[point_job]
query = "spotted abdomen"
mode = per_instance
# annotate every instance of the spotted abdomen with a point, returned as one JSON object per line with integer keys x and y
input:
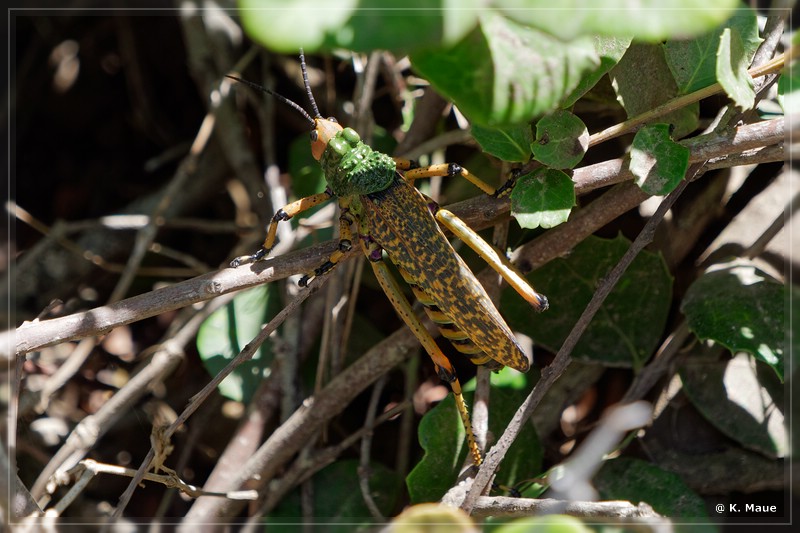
{"x": 399, "y": 220}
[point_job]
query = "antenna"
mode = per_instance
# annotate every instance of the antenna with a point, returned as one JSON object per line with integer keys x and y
{"x": 280, "y": 97}
{"x": 308, "y": 86}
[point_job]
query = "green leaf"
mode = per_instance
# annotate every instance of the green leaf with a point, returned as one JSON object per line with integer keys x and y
{"x": 637, "y": 481}
{"x": 740, "y": 400}
{"x": 732, "y": 73}
{"x": 225, "y": 333}
{"x": 789, "y": 90}
{"x": 628, "y": 326}
{"x": 505, "y": 378}
{"x": 508, "y": 378}
{"x": 647, "y": 20}
{"x": 544, "y": 524}
{"x": 561, "y": 140}
{"x": 338, "y": 501}
{"x": 307, "y": 179}
{"x": 657, "y": 162}
{"x": 610, "y": 50}
{"x": 441, "y": 435}
{"x": 306, "y": 172}
{"x": 542, "y": 199}
{"x": 509, "y": 143}
{"x": 506, "y": 73}
{"x": 642, "y": 81}
{"x": 282, "y": 30}
{"x": 359, "y": 25}
{"x": 694, "y": 62}
{"x": 741, "y": 308}
{"x": 422, "y": 517}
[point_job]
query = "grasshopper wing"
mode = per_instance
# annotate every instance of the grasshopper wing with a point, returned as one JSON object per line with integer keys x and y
{"x": 401, "y": 222}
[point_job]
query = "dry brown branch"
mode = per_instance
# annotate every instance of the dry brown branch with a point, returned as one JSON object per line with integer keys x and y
{"x": 563, "y": 358}
{"x": 519, "y": 507}
{"x": 479, "y": 212}
{"x": 282, "y": 444}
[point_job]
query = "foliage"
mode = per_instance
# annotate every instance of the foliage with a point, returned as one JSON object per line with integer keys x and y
{"x": 533, "y": 84}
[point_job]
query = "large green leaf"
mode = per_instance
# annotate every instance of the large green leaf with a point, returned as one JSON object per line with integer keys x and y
{"x": 628, "y": 326}
{"x": 693, "y": 62}
{"x": 338, "y": 501}
{"x": 365, "y": 25}
{"x": 642, "y": 80}
{"x": 741, "y": 308}
{"x": 226, "y": 332}
{"x": 647, "y": 20}
{"x": 741, "y": 397}
{"x": 637, "y": 481}
{"x": 732, "y": 63}
{"x": 360, "y": 25}
{"x": 554, "y": 523}
{"x": 504, "y": 73}
{"x": 610, "y": 50}
{"x": 441, "y": 435}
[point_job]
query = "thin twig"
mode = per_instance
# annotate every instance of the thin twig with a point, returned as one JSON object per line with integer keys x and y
{"x": 760, "y": 244}
{"x": 366, "y": 449}
{"x": 246, "y": 354}
{"x": 100, "y": 320}
{"x": 59, "y": 230}
{"x": 658, "y": 367}
{"x": 64, "y": 373}
{"x": 524, "y": 507}
{"x": 86, "y": 434}
{"x": 290, "y": 437}
{"x": 479, "y": 212}
{"x": 427, "y": 113}
{"x": 407, "y": 419}
{"x": 193, "y": 439}
{"x": 563, "y": 357}
{"x": 87, "y": 469}
{"x": 677, "y": 103}
{"x": 304, "y": 469}
{"x": 146, "y": 236}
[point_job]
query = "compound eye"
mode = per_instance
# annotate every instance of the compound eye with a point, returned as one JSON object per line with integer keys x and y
{"x": 314, "y": 135}
{"x": 332, "y": 119}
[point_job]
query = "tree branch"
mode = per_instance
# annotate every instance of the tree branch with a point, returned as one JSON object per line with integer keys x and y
{"x": 519, "y": 507}
{"x": 563, "y": 358}
{"x": 479, "y": 212}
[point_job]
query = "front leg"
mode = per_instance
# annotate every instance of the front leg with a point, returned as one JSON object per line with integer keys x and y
{"x": 346, "y": 220}
{"x": 283, "y": 214}
{"x": 412, "y": 171}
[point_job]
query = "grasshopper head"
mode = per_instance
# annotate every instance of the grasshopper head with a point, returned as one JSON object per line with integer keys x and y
{"x": 324, "y": 130}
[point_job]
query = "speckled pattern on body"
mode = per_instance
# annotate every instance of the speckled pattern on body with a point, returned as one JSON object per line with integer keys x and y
{"x": 400, "y": 221}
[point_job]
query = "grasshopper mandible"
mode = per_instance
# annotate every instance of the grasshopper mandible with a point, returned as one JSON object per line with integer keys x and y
{"x": 376, "y": 194}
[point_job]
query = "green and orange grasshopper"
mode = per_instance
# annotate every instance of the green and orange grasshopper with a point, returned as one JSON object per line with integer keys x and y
{"x": 377, "y": 195}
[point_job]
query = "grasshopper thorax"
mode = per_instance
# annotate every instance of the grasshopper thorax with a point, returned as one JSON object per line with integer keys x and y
{"x": 351, "y": 167}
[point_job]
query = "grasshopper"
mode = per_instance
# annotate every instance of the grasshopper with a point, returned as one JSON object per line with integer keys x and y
{"x": 376, "y": 194}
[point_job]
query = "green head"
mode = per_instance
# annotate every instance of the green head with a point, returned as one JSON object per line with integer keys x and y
{"x": 350, "y": 166}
